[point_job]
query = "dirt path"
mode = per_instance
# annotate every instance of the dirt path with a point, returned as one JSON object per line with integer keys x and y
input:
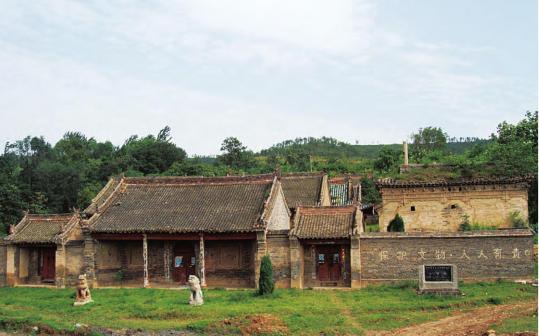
{"x": 345, "y": 311}
{"x": 471, "y": 323}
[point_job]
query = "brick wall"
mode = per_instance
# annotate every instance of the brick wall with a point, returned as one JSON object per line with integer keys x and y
{"x": 477, "y": 254}
{"x": 278, "y": 245}
{"x": 3, "y": 260}
{"x": 443, "y": 208}
{"x": 229, "y": 263}
{"x": 74, "y": 262}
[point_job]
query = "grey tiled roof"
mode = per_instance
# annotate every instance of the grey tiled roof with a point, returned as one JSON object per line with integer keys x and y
{"x": 302, "y": 189}
{"x": 40, "y": 228}
{"x": 391, "y": 183}
{"x": 324, "y": 222}
{"x": 178, "y": 205}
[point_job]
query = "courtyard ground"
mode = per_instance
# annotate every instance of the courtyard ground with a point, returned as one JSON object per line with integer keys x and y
{"x": 375, "y": 310}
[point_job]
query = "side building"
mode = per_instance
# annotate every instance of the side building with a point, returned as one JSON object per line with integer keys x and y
{"x": 44, "y": 249}
{"x": 443, "y": 205}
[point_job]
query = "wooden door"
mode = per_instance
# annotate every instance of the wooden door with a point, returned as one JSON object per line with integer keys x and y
{"x": 183, "y": 264}
{"x": 329, "y": 266}
{"x": 48, "y": 264}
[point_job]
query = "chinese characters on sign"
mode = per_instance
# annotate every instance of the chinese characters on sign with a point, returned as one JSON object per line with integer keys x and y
{"x": 464, "y": 254}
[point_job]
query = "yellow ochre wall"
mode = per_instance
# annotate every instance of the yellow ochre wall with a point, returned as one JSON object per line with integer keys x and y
{"x": 443, "y": 208}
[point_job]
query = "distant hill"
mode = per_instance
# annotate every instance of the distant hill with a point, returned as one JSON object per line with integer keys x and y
{"x": 333, "y": 148}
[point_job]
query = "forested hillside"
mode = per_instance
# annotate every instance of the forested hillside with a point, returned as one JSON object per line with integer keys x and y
{"x": 40, "y": 177}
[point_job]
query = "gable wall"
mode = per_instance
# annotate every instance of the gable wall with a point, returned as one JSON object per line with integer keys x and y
{"x": 279, "y": 218}
{"x": 325, "y": 195}
{"x": 487, "y": 205}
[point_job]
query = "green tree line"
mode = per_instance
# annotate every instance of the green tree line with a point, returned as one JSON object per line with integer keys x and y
{"x": 39, "y": 177}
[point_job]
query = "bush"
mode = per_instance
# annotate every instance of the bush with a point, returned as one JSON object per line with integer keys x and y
{"x": 265, "y": 283}
{"x": 396, "y": 224}
{"x": 465, "y": 225}
{"x": 494, "y": 300}
{"x": 517, "y": 221}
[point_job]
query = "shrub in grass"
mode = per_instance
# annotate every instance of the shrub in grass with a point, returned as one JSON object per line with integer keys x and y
{"x": 396, "y": 224}
{"x": 265, "y": 283}
{"x": 494, "y": 300}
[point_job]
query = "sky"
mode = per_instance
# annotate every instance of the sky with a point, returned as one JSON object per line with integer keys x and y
{"x": 264, "y": 71}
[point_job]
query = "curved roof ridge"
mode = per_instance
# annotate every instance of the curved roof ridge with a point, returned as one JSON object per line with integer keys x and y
{"x": 181, "y": 180}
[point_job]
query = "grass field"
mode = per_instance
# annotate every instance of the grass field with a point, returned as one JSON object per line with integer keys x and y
{"x": 305, "y": 312}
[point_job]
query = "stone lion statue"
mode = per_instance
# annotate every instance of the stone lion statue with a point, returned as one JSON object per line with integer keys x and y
{"x": 83, "y": 292}
{"x": 196, "y": 297}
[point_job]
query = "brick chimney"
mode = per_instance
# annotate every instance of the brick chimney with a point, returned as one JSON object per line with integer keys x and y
{"x": 405, "y": 148}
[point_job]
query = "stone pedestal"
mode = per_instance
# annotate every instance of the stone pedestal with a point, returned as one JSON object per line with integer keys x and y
{"x": 439, "y": 279}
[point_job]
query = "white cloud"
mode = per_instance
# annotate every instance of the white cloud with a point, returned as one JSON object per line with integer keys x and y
{"x": 59, "y": 73}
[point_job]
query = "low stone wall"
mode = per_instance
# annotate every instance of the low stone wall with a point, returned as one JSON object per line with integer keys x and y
{"x": 3, "y": 262}
{"x": 479, "y": 255}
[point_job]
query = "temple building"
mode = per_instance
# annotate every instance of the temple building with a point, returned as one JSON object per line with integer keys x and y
{"x": 157, "y": 231}
{"x": 160, "y": 230}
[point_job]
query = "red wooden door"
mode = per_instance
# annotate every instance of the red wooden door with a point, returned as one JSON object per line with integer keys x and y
{"x": 48, "y": 266}
{"x": 183, "y": 264}
{"x": 329, "y": 267}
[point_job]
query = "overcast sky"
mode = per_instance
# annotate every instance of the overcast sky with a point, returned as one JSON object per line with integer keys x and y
{"x": 264, "y": 71}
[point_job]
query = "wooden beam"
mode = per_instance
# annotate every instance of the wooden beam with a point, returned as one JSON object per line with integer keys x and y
{"x": 117, "y": 236}
{"x": 175, "y": 236}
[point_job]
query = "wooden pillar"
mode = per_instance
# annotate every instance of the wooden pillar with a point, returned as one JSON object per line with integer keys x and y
{"x": 166, "y": 259}
{"x": 201, "y": 261}
{"x": 145, "y": 260}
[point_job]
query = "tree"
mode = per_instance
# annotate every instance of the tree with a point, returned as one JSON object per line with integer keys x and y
{"x": 427, "y": 140}
{"x": 151, "y": 155}
{"x": 514, "y": 152}
{"x": 236, "y": 154}
{"x": 11, "y": 202}
{"x": 266, "y": 283}
{"x": 396, "y": 224}
{"x": 387, "y": 158}
{"x": 369, "y": 193}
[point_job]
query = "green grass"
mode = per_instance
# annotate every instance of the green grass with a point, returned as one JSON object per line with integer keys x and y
{"x": 302, "y": 311}
{"x": 523, "y": 323}
{"x": 372, "y": 228}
